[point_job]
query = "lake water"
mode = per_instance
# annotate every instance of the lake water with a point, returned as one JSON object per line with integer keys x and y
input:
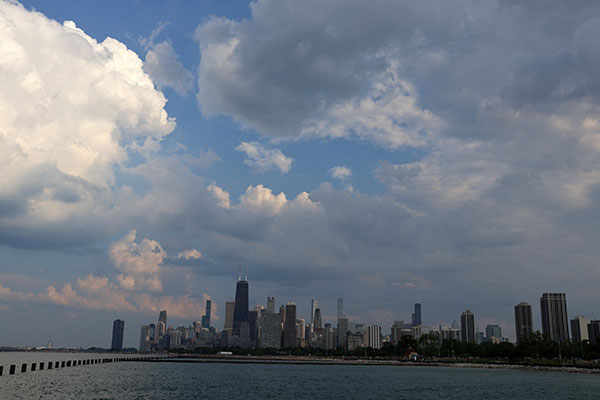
{"x": 147, "y": 380}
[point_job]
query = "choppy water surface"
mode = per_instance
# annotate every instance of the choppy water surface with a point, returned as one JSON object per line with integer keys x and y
{"x": 147, "y": 380}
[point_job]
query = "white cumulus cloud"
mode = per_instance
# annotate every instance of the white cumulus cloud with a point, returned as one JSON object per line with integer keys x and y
{"x": 340, "y": 172}
{"x": 262, "y": 159}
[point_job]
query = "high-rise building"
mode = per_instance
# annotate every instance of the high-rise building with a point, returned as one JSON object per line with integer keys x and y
{"x": 270, "y": 331}
{"x": 206, "y": 317}
{"x": 144, "y": 337}
{"x": 313, "y": 308}
{"x": 416, "y": 316}
{"x": 252, "y": 318}
{"x": 523, "y": 321}
{"x": 594, "y": 332}
{"x": 467, "y": 327}
{"x": 229, "y": 310}
{"x": 240, "y": 312}
{"x": 318, "y": 328}
{"x": 493, "y": 331}
{"x": 579, "y": 330}
{"x": 396, "y": 332}
{"x": 289, "y": 327}
{"x": 340, "y": 308}
{"x": 342, "y": 330}
{"x": 300, "y": 331}
{"x": 271, "y": 305}
{"x": 374, "y": 336}
{"x": 117, "y": 334}
{"x": 152, "y": 332}
{"x": 555, "y": 322}
{"x": 161, "y": 329}
{"x": 329, "y": 335}
{"x": 162, "y": 317}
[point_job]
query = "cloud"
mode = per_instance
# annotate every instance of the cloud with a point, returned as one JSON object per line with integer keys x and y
{"x": 73, "y": 111}
{"x": 192, "y": 254}
{"x": 290, "y": 71}
{"x": 220, "y": 195}
{"x": 166, "y": 71}
{"x": 340, "y": 172}
{"x": 140, "y": 264}
{"x": 262, "y": 160}
{"x": 259, "y": 199}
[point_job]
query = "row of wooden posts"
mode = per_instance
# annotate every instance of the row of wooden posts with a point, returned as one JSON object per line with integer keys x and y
{"x": 71, "y": 363}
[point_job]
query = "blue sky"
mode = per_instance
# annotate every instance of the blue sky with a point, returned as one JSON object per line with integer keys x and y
{"x": 384, "y": 152}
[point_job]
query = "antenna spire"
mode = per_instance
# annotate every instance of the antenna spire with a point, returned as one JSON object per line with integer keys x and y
{"x": 246, "y": 278}
{"x": 240, "y": 273}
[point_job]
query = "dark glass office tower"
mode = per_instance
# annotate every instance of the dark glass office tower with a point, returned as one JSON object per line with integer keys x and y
{"x": 555, "y": 322}
{"x": 289, "y": 327}
{"x": 240, "y": 312}
{"x": 416, "y": 316}
{"x": 206, "y": 317}
{"x": 117, "y": 335}
{"x": 523, "y": 321}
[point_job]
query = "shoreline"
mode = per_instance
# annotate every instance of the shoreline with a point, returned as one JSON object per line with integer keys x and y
{"x": 208, "y": 359}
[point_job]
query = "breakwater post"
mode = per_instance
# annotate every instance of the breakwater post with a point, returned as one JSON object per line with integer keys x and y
{"x": 12, "y": 369}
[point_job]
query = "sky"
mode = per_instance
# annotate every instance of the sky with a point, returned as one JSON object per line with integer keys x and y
{"x": 385, "y": 152}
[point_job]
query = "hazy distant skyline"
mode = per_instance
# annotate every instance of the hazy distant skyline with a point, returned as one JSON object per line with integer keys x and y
{"x": 380, "y": 151}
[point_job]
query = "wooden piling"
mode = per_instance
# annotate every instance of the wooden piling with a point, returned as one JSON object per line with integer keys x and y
{"x": 33, "y": 366}
{"x": 24, "y": 367}
{"x": 12, "y": 369}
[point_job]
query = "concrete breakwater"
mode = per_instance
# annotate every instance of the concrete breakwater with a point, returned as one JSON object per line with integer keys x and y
{"x": 13, "y": 369}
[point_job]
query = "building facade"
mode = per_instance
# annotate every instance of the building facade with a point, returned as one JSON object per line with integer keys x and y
{"x": 523, "y": 321}
{"x": 289, "y": 327}
{"x": 374, "y": 332}
{"x": 555, "y": 323}
{"x": 240, "y": 311}
{"x": 416, "y": 316}
{"x": 117, "y": 335}
{"x": 467, "y": 327}
{"x": 579, "y": 330}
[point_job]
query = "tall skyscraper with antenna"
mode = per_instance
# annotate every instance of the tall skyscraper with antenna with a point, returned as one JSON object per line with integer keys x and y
{"x": 240, "y": 312}
{"x": 313, "y": 308}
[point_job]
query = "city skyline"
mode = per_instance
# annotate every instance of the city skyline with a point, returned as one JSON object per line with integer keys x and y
{"x": 387, "y": 153}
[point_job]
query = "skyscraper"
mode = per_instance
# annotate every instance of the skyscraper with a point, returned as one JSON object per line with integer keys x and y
{"x": 152, "y": 332}
{"x": 374, "y": 340}
{"x": 271, "y": 305}
{"x": 318, "y": 328}
{"x": 240, "y": 312}
{"x": 467, "y": 327}
{"x": 493, "y": 331}
{"x": 117, "y": 334}
{"x": 144, "y": 337}
{"x": 416, "y": 316}
{"x": 289, "y": 327}
{"x": 206, "y": 317}
{"x": 342, "y": 330}
{"x": 579, "y": 330}
{"x": 340, "y": 308}
{"x": 162, "y": 317}
{"x": 523, "y": 320}
{"x": 594, "y": 332}
{"x": 229, "y": 309}
{"x": 313, "y": 307}
{"x": 555, "y": 322}
{"x": 270, "y": 332}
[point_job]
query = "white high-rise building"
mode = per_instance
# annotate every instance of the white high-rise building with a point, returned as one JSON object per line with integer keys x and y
{"x": 579, "y": 328}
{"x": 374, "y": 337}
